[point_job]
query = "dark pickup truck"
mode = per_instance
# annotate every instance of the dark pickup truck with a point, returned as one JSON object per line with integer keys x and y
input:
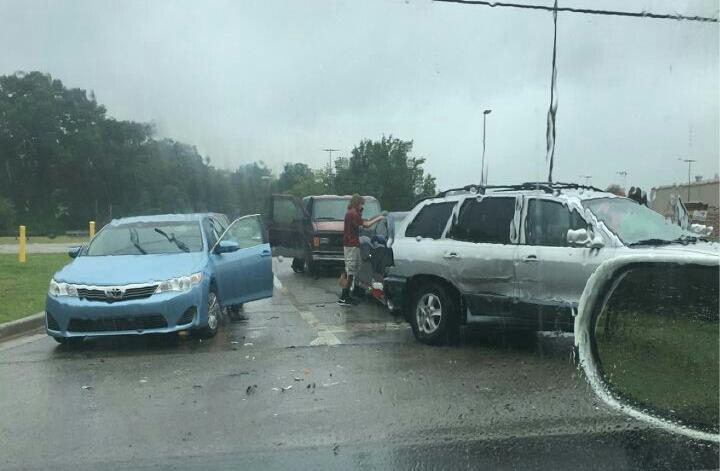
{"x": 310, "y": 230}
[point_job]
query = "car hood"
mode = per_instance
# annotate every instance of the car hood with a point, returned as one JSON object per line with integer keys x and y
{"x": 328, "y": 226}
{"x": 127, "y": 269}
{"x": 705, "y": 248}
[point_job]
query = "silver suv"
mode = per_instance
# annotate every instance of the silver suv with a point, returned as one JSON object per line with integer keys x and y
{"x": 516, "y": 255}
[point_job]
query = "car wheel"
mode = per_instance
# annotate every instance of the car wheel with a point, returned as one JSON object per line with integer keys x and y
{"x": 434, "y": 315}
{"x": 298, "y": 265}
{"x": 235, "y": 312}
{"x": 309, "y": 265}
{"x": 214, "y": 316}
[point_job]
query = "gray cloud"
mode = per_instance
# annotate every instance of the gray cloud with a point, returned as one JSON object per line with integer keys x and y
{"x": 280, "y": 80}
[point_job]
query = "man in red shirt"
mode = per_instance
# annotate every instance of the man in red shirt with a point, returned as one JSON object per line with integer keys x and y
{"x": 351, "y": 243}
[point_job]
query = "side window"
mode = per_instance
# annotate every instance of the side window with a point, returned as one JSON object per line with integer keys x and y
{"x": 245, "y": 232}
{"x": 430, "y": 222}
{"x": 211, "y": 232}
{"x": 285, "y": 211}
{"x": 548, "y": 222}
{"x": 486, "y": 220}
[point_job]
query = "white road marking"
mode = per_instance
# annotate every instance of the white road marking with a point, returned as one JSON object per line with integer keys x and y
{"x": 324, "y": 335}
{"x": 277, "y": 283}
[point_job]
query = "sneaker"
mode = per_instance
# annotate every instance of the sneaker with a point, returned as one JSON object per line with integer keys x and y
{"x": 344, "y": 302}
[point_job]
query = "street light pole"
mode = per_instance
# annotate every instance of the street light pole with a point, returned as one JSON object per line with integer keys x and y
{"x": 689, "y": 162}
{"x": 330, "y": 151}
{"x": 483, "y": 177}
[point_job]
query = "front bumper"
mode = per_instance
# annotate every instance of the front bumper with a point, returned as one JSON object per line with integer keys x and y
{"x": 67, "y": 316}
{"x": 394, "y": 290}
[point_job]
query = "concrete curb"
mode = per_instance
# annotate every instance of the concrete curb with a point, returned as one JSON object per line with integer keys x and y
{"x": 21, "y": 326}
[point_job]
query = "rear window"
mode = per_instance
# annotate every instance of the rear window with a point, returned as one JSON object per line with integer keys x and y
{"x": 335, "y": 209}
{"x": 430, "y": 222}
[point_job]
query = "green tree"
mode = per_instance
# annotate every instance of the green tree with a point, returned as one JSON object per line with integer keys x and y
{"x": 385, "y": 170}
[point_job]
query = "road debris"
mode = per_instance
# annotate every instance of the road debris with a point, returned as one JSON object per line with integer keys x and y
{"x": 287, "y": 388}
{"x": 298, "y": 379}
{"x": 144, "y": 380}
{"x": 234, "y": 342}
{"x": 251, "y": 389}
{"x": 87, "y": 388}
{"x": 248, "y": 344}
{"x": 197, "y": 386}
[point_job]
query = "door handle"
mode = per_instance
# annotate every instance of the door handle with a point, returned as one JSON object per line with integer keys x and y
{"x": 265, "y": 253}
{"x": 450, "y": 255}
{"x": 530, "y": 259}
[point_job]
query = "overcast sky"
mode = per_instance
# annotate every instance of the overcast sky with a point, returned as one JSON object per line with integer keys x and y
{"x": 280, "y": 80}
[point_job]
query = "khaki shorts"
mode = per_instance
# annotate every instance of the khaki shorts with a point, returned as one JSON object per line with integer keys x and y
{"x": 352, "y": 260}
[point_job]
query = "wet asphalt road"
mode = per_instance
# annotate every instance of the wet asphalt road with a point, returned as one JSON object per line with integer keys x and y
{"x": 363, "y": 394}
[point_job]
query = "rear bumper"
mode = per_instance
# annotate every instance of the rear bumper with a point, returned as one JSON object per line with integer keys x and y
{"x": 160, "y": 313}
{"x": 394, "y": 288}
{"x": 328, "y": 256}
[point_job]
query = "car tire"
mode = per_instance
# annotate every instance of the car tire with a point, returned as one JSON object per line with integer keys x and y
{"x": 69, "y": 341}
{"x": 298, "y": 265}
{"x": 235, "y": 312}
{"x": 309, "y": 265}
{"x": 214, "y": 316}
{"x": 434, "y": 315}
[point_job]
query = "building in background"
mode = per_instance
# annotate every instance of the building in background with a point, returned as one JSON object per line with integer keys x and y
{"x": 701, "y": 198}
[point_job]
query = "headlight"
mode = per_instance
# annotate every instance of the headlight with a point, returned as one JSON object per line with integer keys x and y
{"x": 181, "y": 283}
{"x": 61, "y": 289}
{"x": 318, "y": 241}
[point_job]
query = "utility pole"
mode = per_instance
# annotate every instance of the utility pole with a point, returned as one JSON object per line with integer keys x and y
{"x": 689, "y": 162}
{"x": 483, "y": 176}
{"x": 330, "y": 151}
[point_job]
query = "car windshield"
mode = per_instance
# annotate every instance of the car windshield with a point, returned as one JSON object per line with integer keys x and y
{"x": 335, "y": 209}
{"x": 147, "y": 238}
{"x": 635, "y": 223}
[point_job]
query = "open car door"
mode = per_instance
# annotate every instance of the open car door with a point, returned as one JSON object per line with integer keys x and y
{"x": 288, "y": 226}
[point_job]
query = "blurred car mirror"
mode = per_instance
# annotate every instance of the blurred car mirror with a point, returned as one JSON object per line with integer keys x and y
{"x": 226, "y": 246}
{"x": 647, "y": 338}
{"x": 73, "y": 252}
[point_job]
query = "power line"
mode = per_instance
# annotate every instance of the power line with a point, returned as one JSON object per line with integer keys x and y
{"x": 550, "y": 133}
{"x": 587, "y": 11}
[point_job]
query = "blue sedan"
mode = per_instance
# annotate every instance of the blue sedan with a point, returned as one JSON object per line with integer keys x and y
{"x": 159, "y": 274}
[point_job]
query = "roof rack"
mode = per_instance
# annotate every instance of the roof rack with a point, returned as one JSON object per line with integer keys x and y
{"x": 547, "y": 187}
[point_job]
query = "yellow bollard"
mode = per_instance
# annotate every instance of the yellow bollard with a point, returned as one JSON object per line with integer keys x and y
{"x": 21, "y": 248}
{"x": 92, "y": 229}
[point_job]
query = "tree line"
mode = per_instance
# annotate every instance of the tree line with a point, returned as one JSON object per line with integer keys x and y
{"x": 64, "y": 161}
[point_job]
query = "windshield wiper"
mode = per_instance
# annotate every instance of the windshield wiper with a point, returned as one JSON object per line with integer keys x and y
{"x": 136, "y": 241}
{"x": 171, "y": 238}
{"x": 685, "y": 240}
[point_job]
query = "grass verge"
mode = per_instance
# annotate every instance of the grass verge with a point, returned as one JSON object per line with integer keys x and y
{"x": 23, "y": 285}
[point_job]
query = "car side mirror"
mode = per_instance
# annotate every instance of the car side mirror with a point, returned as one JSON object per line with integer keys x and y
{"x": 584, "y": 238}
{"x": 226, "y": 246}
{"x": 647, "y": 338}
{"x": 74, "y": 252}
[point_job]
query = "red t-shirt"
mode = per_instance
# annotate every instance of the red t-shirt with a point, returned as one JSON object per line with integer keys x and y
{"x": 351, "y": 232}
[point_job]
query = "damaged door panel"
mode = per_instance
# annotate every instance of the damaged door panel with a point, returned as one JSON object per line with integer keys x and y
{"x": 481, "y": 254}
